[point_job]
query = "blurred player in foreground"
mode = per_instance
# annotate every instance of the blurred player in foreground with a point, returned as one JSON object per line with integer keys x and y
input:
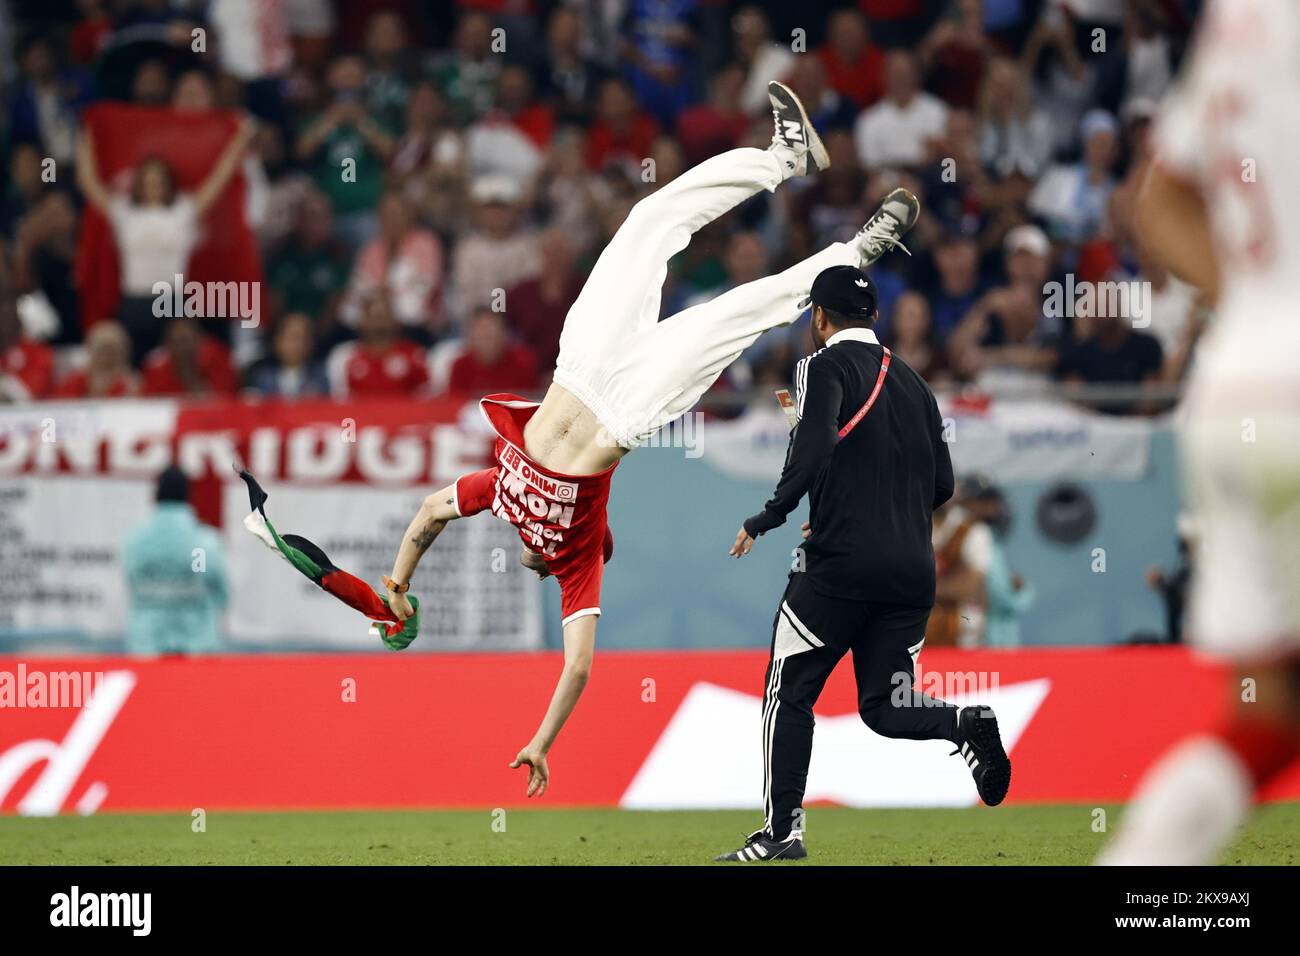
{"x": 1222, "y": 208}
{"x": 622, "y": 374}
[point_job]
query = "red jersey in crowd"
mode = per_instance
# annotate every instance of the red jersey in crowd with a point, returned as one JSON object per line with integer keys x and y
{"x": 77, "y": 385}
{"x": 605, "y": 144}
{"x": 516, "y": 368}
{"x": 29, "y": 368}
{"x": 561, "y": 517}
{"x": 215, "y": 371}
{"x": 400, "y": 369}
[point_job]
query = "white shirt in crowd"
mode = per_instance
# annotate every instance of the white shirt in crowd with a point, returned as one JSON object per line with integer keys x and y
{"x": 891, "y": 135}
{"x": 153, "y": 242}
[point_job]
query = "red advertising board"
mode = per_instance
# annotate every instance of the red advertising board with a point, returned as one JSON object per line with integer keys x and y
{"x": 652, "y": 730}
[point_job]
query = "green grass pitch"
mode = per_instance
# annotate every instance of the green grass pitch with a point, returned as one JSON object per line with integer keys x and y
{"x": 1005, "y": 835}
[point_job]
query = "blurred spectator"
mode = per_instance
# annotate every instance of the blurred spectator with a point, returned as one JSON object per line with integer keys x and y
{"x": 194, "y": 92}
{"x": 499, "y": 252}
{"x": 428, "y": 163}
{"x": 1007, "y": 597}
{"x": 26, "y": 365}
{"x": 44, "y": 103}
{"x": 310, "y": 269}
{"x": 406, "y": 262}
{"x": 855, "y": 67}
{"x": 381, "y": 363}
{"x": 827, "y": 109}
{"x": 176, "y": 577}
{"x": 571, "y": 197}
{"x": 188, "y": 363}
{"x": 897, "y": 131}
{"x": 910, "y": 334}
{"x": 510, "y": 138}
{"x": 91, "y": 32}
{"x": 1072, "y": 197}
{"x": 152, "y": 83}
{"x": 155, "y": 228}
{"x": 1066, "y": 80}
{"x": 1014, "y": 136}
{"x": 760, "y": 57}
{"x": 567, "y": 77}
{"x": 348, "y": 150}
{"x": 107, "y": 372}
{"x": 468, "y": 71}
{"x": 956, "y": 52}
{"x": 719, "y": 123}
{"x": 963, "y": 554}
{"x": 1108, "y": 349}
{"x": 622, "y": 131}
{"x": 276, "y": 187}
{"x": 386, "y": 68}
{"x": 491, "y": 362}
{"x": 43, "y": 255}
{"x": 290, "y": 371}
{"x": 24, "y": 188}
{"x": 956, "y": 260}
{"x": 659, "y": 47}
{"x": 1172, "y": 586}
{"x": 1005, "y": 342}
{"x": 253, "y": 48}
{"x": 898, "y": 22}
{"x": 537, "y": 307}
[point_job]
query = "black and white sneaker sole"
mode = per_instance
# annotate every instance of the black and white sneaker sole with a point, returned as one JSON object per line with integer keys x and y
{"x": 790, "y": 105}
{"x": 985, "y": 741}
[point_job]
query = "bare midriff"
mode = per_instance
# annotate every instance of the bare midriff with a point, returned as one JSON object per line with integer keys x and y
{"x": 565, "y": 436}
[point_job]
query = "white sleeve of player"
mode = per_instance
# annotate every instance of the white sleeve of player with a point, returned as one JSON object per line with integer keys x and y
{"x": 1179, "y": 134}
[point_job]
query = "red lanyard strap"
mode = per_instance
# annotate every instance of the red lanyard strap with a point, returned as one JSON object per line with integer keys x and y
{"x": 871, "y": 399}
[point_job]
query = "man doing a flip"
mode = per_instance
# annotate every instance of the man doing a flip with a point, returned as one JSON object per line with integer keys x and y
{"x": 621, "y": 374}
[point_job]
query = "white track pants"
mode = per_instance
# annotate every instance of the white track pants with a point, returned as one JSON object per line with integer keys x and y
{"x": 637, "y": 373}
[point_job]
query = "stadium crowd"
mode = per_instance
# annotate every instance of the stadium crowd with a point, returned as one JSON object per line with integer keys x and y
{"x": 427, "y": 182}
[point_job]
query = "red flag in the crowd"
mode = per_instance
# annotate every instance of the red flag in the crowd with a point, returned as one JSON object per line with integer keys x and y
{"x": 190, "y": 143}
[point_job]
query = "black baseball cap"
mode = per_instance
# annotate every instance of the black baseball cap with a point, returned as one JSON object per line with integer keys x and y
{"x": 846, "y": 290}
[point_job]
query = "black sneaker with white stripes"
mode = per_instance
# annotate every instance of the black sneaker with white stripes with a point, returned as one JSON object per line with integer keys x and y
{"x": 761, "y": 848}
{"x": 981, "y": 746}
{"x": 794, "y": 140}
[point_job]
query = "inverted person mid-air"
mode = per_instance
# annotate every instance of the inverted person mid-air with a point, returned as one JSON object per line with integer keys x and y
{"x": 622, "y": 374}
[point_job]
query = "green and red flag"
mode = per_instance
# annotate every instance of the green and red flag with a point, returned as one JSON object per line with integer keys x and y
{"x": 313, "y": 562}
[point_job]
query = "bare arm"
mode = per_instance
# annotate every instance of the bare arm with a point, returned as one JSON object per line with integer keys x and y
{"x": 579, "y": 646}
{"x": 92, "y": 187}
{"x": 1172, "y": 224}
{"x": 434, "y": 513}
{"x": 222, "y": 172}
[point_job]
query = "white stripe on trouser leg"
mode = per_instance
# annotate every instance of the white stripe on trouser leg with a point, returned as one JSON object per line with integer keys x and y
{"x": 769, "y": 729}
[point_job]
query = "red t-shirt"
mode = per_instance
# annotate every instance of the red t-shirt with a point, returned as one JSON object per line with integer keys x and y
{"x": 160, "y": 378}
{"x": 863, "y": 82}
{"x": 561, "y": 517}
{"x": 516, "y": 368}
{"x": 398, "y": 370}
{"x": 31, "y": 364}
{"x": 77, "y": 385}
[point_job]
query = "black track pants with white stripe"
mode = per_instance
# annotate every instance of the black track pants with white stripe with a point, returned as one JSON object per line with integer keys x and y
{"x": 810, "y": 635}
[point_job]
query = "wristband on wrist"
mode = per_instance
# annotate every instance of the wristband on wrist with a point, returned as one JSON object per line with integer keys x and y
{"x": 394, "y": 586}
